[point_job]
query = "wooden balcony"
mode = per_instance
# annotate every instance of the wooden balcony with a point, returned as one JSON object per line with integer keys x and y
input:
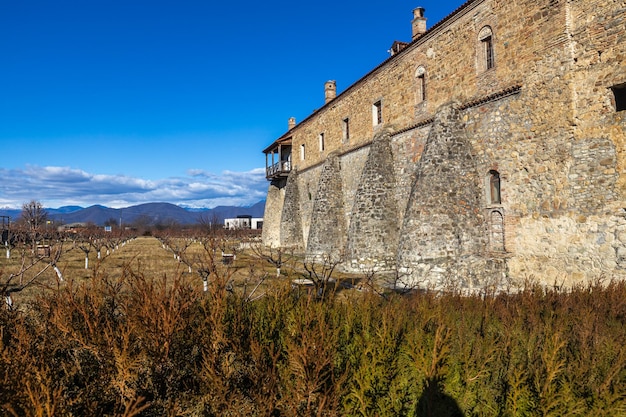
{"x": 278, "y": 159}
{"x": 279, "y": 169}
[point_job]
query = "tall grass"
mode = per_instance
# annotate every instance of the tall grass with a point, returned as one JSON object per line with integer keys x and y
{"x": 142, "y": 342}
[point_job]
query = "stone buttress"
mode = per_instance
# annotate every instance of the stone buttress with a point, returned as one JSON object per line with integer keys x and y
{"x": 272, "y": 215}
{"x": 291, "y": 225}
{"x": 327, "y": 234}
{"x": 443, "y": 237}
{"x": 373, "y": 230}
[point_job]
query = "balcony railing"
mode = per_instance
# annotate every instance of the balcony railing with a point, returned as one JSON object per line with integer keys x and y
{"x": 278, "y": 169}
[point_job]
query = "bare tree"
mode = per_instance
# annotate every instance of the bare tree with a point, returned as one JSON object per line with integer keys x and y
{"x": 320, "y": 270}
{"x": 210, "y": 223}
{"x": 98, "y": 240}
{"x": 34, "y": 216}
{"x": 9, "y": 242}
{"x": 274, "y": 256}
{"x": 85, "y": 245}
{"x": 28, "y": 272}
{"x": 384, "y": 279}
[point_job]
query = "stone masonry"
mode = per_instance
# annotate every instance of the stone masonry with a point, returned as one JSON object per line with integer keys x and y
{"x": 374, "y": 227}
{"x": 290, "y": 222}
{"x": 443, "y": 236}
{"x": 489, "y": 151}
{"x": 327, "y": 235}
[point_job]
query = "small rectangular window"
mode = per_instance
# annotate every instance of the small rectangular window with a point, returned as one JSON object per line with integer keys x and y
{"x": 377, "y": 113}
{"x": 321, "y": 137}
{"x": 345, "y": 127}
{"x": 619, "y": 93}
{"x": 302, "y": 152}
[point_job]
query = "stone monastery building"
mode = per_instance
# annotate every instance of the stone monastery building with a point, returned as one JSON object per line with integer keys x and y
{"x": 489, "y": 150}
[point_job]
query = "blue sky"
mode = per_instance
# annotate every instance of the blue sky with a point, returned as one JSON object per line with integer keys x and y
{"x": 123, "y": 102}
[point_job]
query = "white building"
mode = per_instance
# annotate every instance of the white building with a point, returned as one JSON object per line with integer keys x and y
{"x": 244, "y": 222}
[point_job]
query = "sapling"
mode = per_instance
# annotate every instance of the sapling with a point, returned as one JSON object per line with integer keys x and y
{"x": 58, "y": 272}
{"x": 275, "y": 256}
{"x": 86, "y": 248}
{"x": 204, "y": 274}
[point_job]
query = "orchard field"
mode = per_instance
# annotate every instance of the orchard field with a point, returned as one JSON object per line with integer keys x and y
{"x": 208, "y": 323}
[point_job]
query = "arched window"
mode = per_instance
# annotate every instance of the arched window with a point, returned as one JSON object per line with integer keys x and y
{"x": 486, "y": 59}
{"x": 493, "y": 187}
{"x": 420, "y": 75}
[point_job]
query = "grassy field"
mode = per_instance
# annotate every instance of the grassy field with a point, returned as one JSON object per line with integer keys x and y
{"x": 145, "y": 255}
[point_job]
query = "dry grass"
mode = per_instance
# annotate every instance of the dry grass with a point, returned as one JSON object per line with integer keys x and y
{"x": 147, "y": 255}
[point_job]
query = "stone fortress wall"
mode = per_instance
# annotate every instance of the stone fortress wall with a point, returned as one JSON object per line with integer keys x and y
{"x": 490, "y": 150}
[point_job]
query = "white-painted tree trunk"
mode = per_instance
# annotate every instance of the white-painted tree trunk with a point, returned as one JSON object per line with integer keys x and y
{"x": 99, "y": 255}
{"x": 8, "y": 253}
{"x": 86, "y": 262}
{"x": 205, "y": 285}
{"x": 59, "y": 274}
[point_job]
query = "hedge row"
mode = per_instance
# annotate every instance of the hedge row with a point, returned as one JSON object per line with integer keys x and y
{"x": 156, "y": 347}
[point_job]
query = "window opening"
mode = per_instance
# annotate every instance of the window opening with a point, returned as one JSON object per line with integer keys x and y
{"x": 421, "y": 84}
{"x": 422, "y": 81}
{"x": 346, "y": 129}
{"x": 321, "y": 142}
{"x": 486, "y": 39}
{"x": 494, "y": 187}
{"x": 488, "y": 45}
{"x": 619, "y": 93}
{"x": 302, "y": 152}
{"x": 377, "y": 113}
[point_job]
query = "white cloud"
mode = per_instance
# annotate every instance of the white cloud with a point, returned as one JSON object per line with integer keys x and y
{"x": 58, "y": 186}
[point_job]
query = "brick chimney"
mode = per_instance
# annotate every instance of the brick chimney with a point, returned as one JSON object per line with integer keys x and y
{"x": 330, "y": 90}
{"x": 419, "y": 22}
{"x": 292, "y": 123}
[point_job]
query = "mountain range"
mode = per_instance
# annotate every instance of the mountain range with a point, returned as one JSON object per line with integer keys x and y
{"x": 148, "y": 214}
